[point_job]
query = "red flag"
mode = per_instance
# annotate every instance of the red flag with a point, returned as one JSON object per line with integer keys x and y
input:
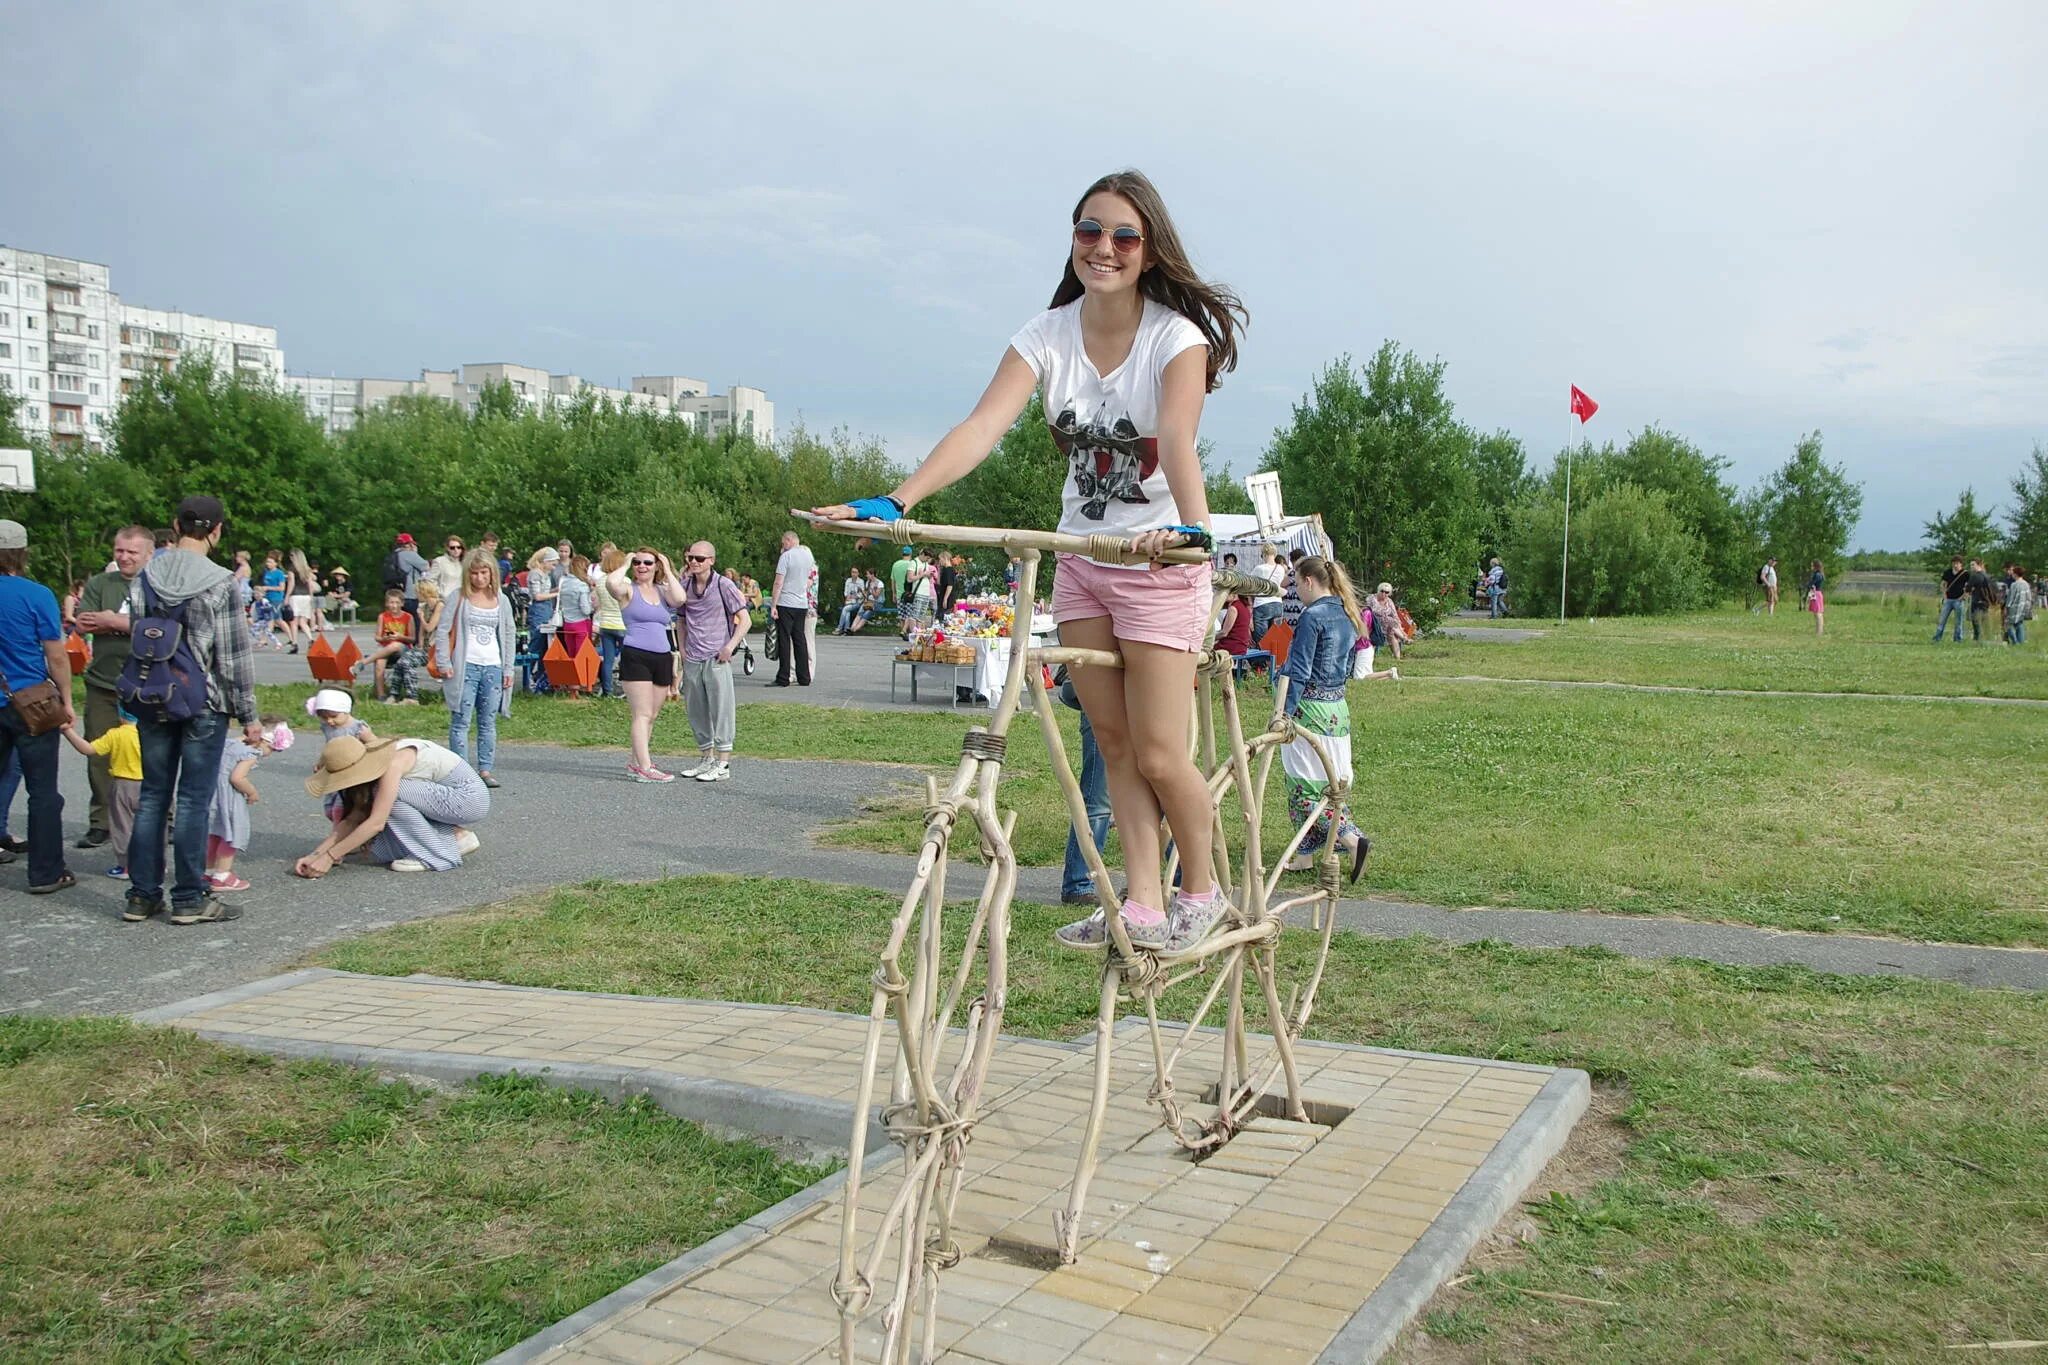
{"x": 1583, "y": 407}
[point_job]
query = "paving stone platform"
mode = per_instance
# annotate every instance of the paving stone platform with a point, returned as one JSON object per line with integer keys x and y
{"x": 1296, "y": 1242}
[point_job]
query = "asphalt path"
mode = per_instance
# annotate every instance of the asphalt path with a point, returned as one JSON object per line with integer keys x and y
{"x": 570, "y": 815}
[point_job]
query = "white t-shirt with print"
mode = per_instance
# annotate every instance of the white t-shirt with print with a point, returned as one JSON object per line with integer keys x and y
{"x": 1107, "y": 425}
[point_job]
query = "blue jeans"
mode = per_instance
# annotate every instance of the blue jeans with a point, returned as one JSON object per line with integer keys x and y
{"x": 10, "y": 783}
{"x": 33, "y": 759}
{"x": 1493, "y": 607}
{"x": 181, "y": 756}
{"x": 482, "y": 686}
{"x": 609, "y": 643}
{"x": 537, "y": 641}
{"x": 1952, "y": 606}
{"x": 1077, "y": 879}
{"x": 846, "y": 614}
{"x": 2015, "y": 632}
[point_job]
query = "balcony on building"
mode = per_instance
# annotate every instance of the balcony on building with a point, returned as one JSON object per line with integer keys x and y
{"x": 67, "y": 421}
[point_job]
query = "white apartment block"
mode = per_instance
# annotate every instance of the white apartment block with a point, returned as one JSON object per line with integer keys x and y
{"x": 338, "y": 403}
{"x": 58, "y": 320}
{"x": 154, "y": 339}
{"x": 70, "y": 348}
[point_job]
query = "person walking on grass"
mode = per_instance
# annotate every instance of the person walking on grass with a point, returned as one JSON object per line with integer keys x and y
{"x": 1768, "y": 577}
{"x": 475, "y": 644}
{"x": 102, "y": 609}
{"x": 181, "y": 757}
{"x": 1817, "y": 598}
{"x": 32, "y": 655}
{"x": 713, "y": 622}
{"x": 2019, "y": 604}
{"x": 648, "y": 596}
{"x": 1980, "y": 599}
{"x": 1955, "y": 592}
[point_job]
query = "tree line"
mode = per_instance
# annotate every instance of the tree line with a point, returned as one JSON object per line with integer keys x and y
{"x": 1406, "y": 491}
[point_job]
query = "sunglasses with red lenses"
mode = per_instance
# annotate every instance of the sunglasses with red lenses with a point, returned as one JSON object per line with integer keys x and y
{"x": 1088, "y": 232}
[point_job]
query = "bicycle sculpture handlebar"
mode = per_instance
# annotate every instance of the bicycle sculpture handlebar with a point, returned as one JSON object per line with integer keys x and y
{"x": 934, "y": 1103}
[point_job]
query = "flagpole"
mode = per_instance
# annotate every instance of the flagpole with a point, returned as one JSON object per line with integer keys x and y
{"x": 1565, "y": 567}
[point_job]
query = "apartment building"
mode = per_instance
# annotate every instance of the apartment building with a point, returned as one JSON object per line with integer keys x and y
{"x": 69, "y": 348}
{"x": 153, "y": 339}
{"x": 58, "y": 320}
{"x": 338, "y": 403}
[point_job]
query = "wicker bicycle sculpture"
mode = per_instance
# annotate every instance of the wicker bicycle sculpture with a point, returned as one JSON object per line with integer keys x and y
{"x": 939, "y": 1070}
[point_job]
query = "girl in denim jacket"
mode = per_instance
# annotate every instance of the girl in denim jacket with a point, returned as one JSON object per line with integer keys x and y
{"x": 1318, "y": 667}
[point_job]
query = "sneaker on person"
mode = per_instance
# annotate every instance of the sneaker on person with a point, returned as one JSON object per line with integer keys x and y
{"x": 699, "y": 766}
{"x": 117, "y": 871}
{"x": 641, "y": 774}
{"x": 137, "y": 909}
{"x": 1087, "y": 935}
{"x": 717, "y": 772}
{"x": 398, "y": 865}
{"x": 212, "y": 910}
{"x": 1394, "y": 673}
{"x": 227, "y": 881}
{"x": 466, "y": 842}
{"x": 1184, "y": 928}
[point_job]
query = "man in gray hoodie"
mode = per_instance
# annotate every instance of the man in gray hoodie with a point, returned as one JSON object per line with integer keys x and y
{"x": 184, "y": 756}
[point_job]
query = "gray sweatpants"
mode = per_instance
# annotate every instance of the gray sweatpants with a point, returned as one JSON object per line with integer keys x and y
{"x": 424, "y": 817}
{"x": 707, "y": 695}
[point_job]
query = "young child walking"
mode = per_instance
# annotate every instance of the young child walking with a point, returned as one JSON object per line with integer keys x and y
{"x": 1133, "y": 343}
{"x": 121, "y": 746}
{"x": 228, "y": 821}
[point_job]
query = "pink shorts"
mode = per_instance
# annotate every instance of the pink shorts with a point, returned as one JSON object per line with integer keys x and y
{"x": 1166, "y": 606}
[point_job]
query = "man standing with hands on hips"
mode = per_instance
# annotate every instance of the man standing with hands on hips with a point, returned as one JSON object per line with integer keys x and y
{"x": 795, "y": 574}
{"x": 103, "y": 614}
{"x": 714, "y": 622}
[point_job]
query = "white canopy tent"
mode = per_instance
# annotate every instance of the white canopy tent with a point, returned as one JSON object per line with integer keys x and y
{"x": 1239, "y": 534}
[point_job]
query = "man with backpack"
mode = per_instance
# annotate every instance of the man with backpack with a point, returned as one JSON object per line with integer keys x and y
{"x": 402, "y": 570}
{"x": 188, "y": 671}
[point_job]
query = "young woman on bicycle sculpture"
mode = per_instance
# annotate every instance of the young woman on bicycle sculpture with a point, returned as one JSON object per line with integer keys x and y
{"x": 1133, "y": 343}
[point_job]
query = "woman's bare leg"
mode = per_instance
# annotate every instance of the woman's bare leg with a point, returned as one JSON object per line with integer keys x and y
{"x": 645, "y": 699}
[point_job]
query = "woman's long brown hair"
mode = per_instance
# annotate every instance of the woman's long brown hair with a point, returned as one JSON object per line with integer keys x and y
{"x": 1172, "y": 279}
{"x": 1332, "y": 575}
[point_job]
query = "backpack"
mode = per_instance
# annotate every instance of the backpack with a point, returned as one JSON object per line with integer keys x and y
{"x": 162, "y": 680}
{"x": 1378, "y": 633}
{"x": 394, "y": 572}
{"x": 1760, "y": 578}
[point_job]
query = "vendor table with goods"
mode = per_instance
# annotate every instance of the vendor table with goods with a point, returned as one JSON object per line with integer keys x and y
{"x": 973, "y": 641}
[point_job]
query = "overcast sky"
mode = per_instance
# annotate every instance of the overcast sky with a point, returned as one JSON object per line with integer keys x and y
{"x": 1741, "y": 222}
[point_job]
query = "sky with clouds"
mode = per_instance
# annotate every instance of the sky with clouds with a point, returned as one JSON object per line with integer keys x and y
{"x": 1739, "y": 221}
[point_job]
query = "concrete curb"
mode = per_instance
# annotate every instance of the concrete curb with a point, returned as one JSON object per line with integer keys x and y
{"x": 728, "y": 1243}
{"x": 1491, "y": 1191}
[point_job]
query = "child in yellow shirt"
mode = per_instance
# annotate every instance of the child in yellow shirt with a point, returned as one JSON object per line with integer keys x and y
{"x": 122, "y": 748}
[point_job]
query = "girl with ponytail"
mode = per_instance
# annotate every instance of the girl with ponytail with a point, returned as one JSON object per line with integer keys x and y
{"x": 1319, "y": 663}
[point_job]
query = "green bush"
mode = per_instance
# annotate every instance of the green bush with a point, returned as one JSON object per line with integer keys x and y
{"x": 1630, "y": 556}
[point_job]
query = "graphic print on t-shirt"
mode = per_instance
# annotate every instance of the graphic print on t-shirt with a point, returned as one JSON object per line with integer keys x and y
{"x": 1110, "y": 460}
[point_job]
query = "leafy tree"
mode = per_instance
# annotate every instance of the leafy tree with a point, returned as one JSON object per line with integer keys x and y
{"x": 1502, "y": 469}
{"x": 1705, "y": 503}
{"x": 1378, "y": 452}
{"x": 82, "y": 497}
{"x": 10, "y": 408}
{"x": 2028, "y": 517}
{"x": 1966, "y": 531}
{"x": 1226, "y": 493}
{"x": 1019, "y": 484}
{"x": 1806, "y": 509}
{"x": 203, "y": 429}
{"x": 1632, "y": 554}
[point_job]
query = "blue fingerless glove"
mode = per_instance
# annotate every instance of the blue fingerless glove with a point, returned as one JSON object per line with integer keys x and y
{"x": 877, "y": 509}
{"x": 1196, "y": 534}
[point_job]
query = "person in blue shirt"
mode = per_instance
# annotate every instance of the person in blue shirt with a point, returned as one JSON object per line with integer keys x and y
{"x": 32, "y": 652}
{"x": 1318, "y": 668}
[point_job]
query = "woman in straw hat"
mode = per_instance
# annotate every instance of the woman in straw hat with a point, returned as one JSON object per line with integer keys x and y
{"x": 408, "y": 802}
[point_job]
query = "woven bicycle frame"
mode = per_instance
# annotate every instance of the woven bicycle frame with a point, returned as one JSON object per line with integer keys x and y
{"x": 933, "y": 1105}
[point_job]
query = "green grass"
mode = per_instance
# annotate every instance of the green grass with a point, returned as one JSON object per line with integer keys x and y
{"x": 166, "y": 1199}
{"x": 1783, "y": 1165}
{"x": 1870, "y": 646}
{"x": 1794, "y": 813}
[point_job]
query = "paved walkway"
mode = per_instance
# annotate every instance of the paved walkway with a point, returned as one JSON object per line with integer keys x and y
{"x": 1295, "y": 1242}
{"x": 569, "y": 815}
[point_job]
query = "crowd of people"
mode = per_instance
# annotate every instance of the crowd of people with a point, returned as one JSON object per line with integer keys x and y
{"x": 1970, "y": 590}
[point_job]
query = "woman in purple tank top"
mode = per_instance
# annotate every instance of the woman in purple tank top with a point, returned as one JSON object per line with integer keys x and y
{"x": 649, "y": 595}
